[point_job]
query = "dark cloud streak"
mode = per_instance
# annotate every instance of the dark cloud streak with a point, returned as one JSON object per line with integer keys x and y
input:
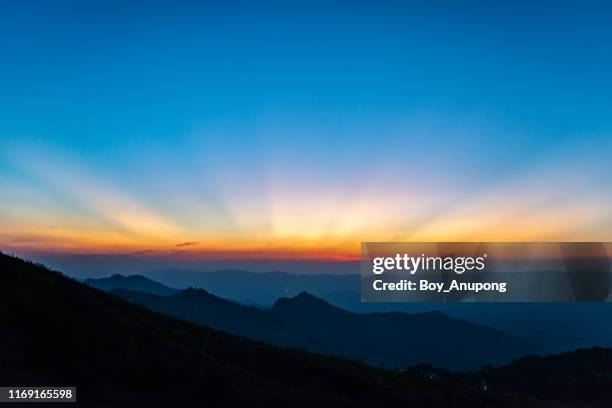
{"x": 186, "y": 243}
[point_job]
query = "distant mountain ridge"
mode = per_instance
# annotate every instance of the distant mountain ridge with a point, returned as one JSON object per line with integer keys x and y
{"x": 556, "y": 327}
{"x": 262, "y": 288}
{"x": 199, "y": 306}
{"x": 131, "y": 282}
{"x": 305, "y": 321}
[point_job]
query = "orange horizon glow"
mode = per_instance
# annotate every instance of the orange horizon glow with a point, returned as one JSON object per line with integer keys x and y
{"x": 68, "y": 207}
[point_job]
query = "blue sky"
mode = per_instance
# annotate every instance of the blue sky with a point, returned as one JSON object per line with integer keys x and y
{"x": 307, "y": 127}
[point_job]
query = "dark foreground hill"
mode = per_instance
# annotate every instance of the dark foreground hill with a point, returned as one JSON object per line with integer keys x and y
{"x": 388, "y": 339}
{"x": 581, "y": 377}
{"x": 57, "y": 331}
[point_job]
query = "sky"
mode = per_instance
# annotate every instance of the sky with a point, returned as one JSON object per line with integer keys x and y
{"x": 276, "y": 131}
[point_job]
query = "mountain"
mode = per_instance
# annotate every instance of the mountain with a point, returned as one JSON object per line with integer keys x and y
{"x": 132, "y": 282}
{"x": 57, "y": 331}
{"x": 556, "y": 327}
{"x": 306, "y": 321}
{"x": 580, "y": 378}
{"x": 199, "y": 306}
{"x": 256, "y": 288}
{"x": 408, "y": 339}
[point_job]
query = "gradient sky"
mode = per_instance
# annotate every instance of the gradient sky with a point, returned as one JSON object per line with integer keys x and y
{"x": 268, "y": 131}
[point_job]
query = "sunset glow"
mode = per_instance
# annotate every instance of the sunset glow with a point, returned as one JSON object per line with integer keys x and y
{"x": 300, "y": 146}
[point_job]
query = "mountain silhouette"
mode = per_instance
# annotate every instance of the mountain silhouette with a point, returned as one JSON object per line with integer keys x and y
{"x": 555, "y": 327}
{"x": 581, "y": 378}
{"x": 308, "y": 322}
{"x": 254, "y": 288}
{"x": 132, "y": 282}
{"x": 58, "y": 331}
{"x": 199, "y": 306}
{"x": 408, "y": 339}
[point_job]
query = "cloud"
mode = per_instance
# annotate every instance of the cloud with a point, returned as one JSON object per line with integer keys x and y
{"x": 144, "y": 252}
{"x": 186, "y": 243}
